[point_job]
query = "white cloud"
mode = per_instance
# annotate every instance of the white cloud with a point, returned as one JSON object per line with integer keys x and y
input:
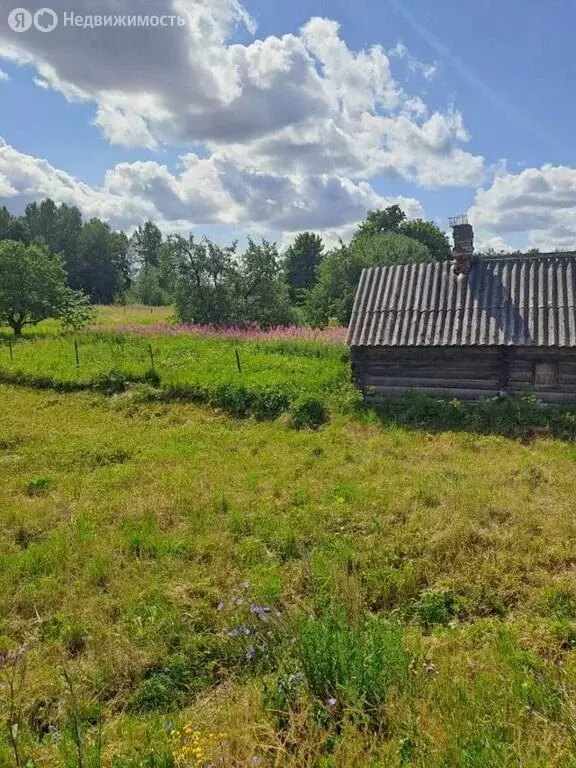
{"x": 538, "y": 205}
{"x": 4, "y": 75}
{"x": 300, "y": 104}
{"x": 204, "y": 191}
{"x": 428, "y": 71}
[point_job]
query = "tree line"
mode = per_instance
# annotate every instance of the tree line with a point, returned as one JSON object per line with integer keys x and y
{"x": 208, "y": 283}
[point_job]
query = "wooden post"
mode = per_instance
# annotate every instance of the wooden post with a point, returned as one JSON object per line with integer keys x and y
{"x": 10, "y": 347}
{"x": 238, "y": 362}
{"x": 76, "y": 351}
{"x": 150, "y": 351}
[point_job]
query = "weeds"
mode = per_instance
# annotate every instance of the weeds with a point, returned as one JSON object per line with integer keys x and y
{"x": 354, "y": 666}
{"x": 13, "y": 671}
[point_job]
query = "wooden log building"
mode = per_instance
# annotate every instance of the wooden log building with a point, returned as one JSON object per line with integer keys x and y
{"x": 474, "y": 327}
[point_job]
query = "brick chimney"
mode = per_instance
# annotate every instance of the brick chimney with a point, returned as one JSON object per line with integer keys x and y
{"x": 463, "y": 249}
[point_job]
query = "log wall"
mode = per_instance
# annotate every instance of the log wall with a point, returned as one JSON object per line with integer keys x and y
{"x": 463, "y": 372}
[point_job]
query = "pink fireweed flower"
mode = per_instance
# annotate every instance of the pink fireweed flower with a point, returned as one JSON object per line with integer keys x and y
{"x": 240, "y": 333}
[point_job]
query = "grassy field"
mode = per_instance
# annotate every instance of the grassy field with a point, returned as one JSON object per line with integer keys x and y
{"x": 107, "y": 318}
{"x": 243, "y": 376}
{"x": 232, "y": 593}
{"x": 196, "y": 590}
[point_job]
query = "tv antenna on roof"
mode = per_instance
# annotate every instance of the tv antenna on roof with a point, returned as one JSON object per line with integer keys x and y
{"x": 458, "y": 221}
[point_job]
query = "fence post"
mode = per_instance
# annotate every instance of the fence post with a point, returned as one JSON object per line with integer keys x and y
{"x": 151, "y": 357}
{"x": 76, "y": 351}
{"x": 238, "y": 362}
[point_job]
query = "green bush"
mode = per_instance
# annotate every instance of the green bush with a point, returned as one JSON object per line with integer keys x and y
{"x": 307, "y": 412}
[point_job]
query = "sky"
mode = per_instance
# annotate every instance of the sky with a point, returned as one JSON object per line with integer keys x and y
{"x": 266, "y": 118}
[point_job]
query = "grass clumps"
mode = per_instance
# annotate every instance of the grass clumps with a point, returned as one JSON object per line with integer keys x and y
{"x": 307, "y": 412}
{"x": 353, "y": 666}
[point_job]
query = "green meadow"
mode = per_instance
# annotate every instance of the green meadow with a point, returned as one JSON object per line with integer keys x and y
{"x": 199, "y": 590}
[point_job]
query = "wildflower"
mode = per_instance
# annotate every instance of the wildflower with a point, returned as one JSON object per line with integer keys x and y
{"x": 238, "y": 601}
{"x": 298, "y": 677}
{"x": 233, "y": 633}
{"x": 245, "y": 631}
{"x": 260, "y": 611}
{"x": 331, "y": 702}
{"x": 250, "y": 653}
{"x": 220, "y": 606}
{"x": 13, "y": 657}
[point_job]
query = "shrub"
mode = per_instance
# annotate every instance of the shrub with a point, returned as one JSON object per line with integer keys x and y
{"x": 307, "y": 412}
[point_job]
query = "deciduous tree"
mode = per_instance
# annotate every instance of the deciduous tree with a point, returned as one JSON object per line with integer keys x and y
{"x": 32, "y": 285}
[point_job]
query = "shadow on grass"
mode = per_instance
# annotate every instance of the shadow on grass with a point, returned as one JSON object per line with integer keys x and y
{"x": 523, "y": 417}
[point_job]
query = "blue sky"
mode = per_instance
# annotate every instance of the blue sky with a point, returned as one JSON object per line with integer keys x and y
{"x": 272, "y": 117}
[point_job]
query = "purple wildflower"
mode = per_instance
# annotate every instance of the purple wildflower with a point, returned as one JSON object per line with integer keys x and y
{"x": 238, "y": 601}
{"x": 331, "y": 701}
{"x": 260, "y": 611}
{"x": 233, "y": 633}
{"x": 245, "y": 631}
{"x": 250, "y": 653}
{"x": 220, "y": 606}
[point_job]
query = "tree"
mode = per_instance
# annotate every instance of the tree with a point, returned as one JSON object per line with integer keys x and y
{"x": 147, "y": 241}
{"x": 77, "y": 312}
{"x": 430, "y": 235}
{"x": 101, "y": 268}
{"x": 393, "y": 219}
{"x": 208, "y": 284}
{"x": 380, "y": 221}
{"x": 301, "y": 264}
{"x": 32, "y": 285}
{"x": 12, "y": 227}
{"x": 265, "y": 298}
{"x": 333, "y": 294}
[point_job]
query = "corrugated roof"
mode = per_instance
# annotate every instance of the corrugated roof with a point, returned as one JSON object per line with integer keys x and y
{"x": 515, "y": 301}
